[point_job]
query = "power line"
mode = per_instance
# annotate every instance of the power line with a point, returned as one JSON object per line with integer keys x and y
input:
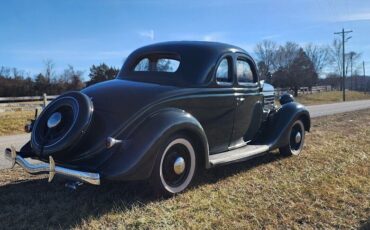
{"x": 344, "y": 39}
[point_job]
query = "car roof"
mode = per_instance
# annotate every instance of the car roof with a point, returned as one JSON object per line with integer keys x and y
{"x": 179, "y": 45}
{"x": 198, "y": 59}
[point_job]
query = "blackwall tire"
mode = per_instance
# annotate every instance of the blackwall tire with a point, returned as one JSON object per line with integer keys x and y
{"x": 168, "y": 180}
{"x": 75, "y": 113}
{"x": 296, "y": 140}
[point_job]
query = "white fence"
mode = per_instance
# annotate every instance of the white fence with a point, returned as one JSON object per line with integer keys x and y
{"x": 11, "y": 104}
{"x": 43, "y": 98}
{"x": 303, "y": 90}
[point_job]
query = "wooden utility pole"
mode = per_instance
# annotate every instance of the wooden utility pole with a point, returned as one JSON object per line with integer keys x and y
{"x": 344, "y": 39}
{"x": 351, "y": 57}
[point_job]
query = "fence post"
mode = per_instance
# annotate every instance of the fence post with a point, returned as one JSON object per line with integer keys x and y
{"x": 45, "y": 100}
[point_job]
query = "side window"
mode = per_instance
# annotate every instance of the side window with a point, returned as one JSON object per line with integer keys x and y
{"x": 223, "y": 71}
{"x": 244, "y": 72}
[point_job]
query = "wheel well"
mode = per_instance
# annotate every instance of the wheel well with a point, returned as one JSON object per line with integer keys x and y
{"x": 306, "y": 121}
{"x": 200, "y": 150}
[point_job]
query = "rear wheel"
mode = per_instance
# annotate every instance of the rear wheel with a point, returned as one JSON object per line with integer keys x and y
{"x": 175, "y": 166}
{"x": 296, "y": 139}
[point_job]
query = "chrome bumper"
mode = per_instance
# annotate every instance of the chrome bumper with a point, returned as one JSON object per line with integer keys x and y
{"x": 51, "y": 168}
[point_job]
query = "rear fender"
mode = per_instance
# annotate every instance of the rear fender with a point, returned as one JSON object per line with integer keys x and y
{"x": 134, "y": 160}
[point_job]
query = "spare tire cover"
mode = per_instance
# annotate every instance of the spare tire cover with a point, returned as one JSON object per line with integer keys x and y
{"x": 61, "y": 124}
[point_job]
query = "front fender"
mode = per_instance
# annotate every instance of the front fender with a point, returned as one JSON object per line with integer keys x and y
{"x": 277, "y": 129}
{"x": 134, "y": 160}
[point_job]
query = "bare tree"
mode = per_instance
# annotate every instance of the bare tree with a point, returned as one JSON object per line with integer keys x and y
{"x": 352, "y": 67}
{"x": 336, "y": 54}
{"x": 319, "y": 55}
{"x": 286, "y": 54}
{"x": 5, "y": 72}
{"x": 71, "y": 79}
{"x": 49, "y": 69}
{"x": 265, "y": 52}
{"x": 352, "y": 59}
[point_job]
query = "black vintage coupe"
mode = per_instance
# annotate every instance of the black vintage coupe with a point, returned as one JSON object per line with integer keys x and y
{"x": 174, "y": 107}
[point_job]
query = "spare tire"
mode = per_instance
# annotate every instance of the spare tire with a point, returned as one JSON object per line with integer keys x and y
{"x": 62, "y": 124}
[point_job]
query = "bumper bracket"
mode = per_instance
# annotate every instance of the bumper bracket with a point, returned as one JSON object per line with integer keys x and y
{"x": 88, "y": 177}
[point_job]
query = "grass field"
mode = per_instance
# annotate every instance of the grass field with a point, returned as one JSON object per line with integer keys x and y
{"x": 330, "y": 97}
{"x": 13, "y": 122}
{"x": 327, "y": 186}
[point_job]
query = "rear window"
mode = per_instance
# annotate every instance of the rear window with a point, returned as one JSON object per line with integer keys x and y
{"x": 157, "y": 64}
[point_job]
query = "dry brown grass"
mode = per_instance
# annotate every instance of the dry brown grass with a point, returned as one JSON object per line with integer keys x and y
{"x": 325, "y": 187}
{"x": 331, "y": 97}
{"x": 13, "y": 122}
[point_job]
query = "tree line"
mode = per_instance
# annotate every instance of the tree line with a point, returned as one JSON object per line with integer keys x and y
{"x": 16, "y": 83}
{"x": 288, "y": 65}
{"x": 293, "y": 66}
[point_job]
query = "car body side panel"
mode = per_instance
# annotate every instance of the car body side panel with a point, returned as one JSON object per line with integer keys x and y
{"x": 210, "y": 106}
{"x": 211, "y": 109}
{"x": 135, "y": 158}
{"x": 246, "y": 99}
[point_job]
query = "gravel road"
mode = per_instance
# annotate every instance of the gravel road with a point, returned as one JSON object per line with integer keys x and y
{"x": 315, "y": 111}
{"x": 342, "y": 107}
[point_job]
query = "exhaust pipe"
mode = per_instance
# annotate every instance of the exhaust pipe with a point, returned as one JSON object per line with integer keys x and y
{"x": 51, "y": 168}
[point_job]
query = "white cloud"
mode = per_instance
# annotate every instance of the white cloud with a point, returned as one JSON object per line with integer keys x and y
{"x": 147, "y": 34}
{"x": 271, "y": 36}
{"x": 212, "y": 37}
{"x": 355, "y": 17}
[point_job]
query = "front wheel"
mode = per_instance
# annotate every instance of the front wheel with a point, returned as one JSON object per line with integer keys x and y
{"x": 296, "y": 140}
{"x": 175, "y": 166}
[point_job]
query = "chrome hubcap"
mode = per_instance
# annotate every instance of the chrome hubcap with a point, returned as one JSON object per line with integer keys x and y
{"x": 298, "y": 137}
{"x": 54, "y": 120}
{"x": 179, "y": 165}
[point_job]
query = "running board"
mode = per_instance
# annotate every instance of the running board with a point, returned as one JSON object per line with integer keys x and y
{"x": 240, "y": 154}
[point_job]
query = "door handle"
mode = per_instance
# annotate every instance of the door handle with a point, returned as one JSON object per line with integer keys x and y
{"x": 240, "y": 98}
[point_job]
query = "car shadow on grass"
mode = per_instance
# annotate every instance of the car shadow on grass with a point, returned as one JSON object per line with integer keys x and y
{"x": 34, "y": 203}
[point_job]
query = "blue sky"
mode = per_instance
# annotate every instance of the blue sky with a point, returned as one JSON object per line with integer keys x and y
{"x": 83, "y": 33}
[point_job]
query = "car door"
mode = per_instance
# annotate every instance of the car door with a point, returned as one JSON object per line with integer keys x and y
{"x": 249, "y": 110}
{"x": 221, "y": 106}
{"x": 214, "y": 105}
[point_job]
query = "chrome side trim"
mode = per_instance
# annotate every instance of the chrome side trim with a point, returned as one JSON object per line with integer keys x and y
{"x": 51, "y": 168}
